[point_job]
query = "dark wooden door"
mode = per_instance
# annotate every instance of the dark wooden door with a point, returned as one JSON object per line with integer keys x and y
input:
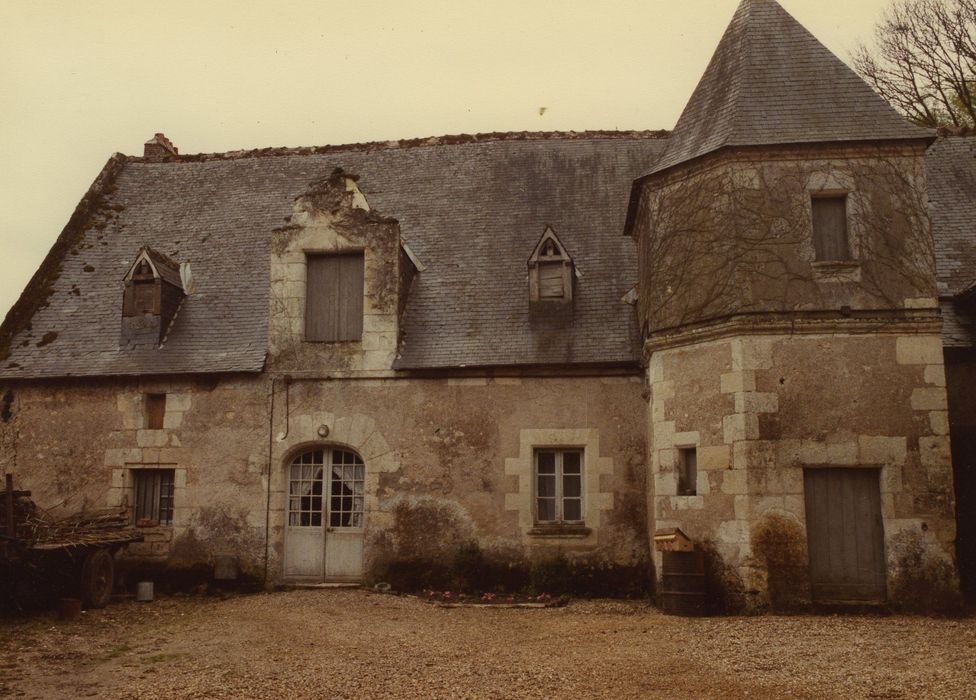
{"x": 845, "y": 535}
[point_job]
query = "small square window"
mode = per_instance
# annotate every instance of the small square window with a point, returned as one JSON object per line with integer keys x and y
{"x": 830, "y": 228}
{"x": 155, "y": 411}
{"x": 154, "y": 496}
{"x": 559, "y": 486}
{"x": 687, "y": 471}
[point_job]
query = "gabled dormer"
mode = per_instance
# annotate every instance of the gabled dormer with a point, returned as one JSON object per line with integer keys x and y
{"x": 154, "y": 288}
{"x": 551, "y": 271}
{"x": 551, "y": 281}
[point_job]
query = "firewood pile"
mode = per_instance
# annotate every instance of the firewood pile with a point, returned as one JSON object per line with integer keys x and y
{"x": 101, "y": 526}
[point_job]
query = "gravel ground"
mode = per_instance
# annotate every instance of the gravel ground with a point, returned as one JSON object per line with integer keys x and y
{"x": 355, "y": 644}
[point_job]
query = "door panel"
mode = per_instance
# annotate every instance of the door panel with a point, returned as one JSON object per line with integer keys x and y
{"x": 305, "y": 523}
{"x": 343, "y": 554}
{"x": 344, "y": 534}
{"x": 845, "y": 534}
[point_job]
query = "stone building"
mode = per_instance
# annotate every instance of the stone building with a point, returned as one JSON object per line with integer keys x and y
{"x": 367, "y": 362}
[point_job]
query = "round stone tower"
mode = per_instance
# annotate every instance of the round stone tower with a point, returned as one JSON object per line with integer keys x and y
{"x": 788, "y": 304}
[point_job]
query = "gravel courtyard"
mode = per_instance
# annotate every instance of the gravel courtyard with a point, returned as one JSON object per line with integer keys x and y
{"x": 356, "y": 644}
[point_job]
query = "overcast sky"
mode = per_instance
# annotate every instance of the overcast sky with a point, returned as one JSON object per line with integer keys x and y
{"x": 82, "y": 80}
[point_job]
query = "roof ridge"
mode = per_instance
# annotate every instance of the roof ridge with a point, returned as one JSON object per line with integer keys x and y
{"x": 397, "y": 144}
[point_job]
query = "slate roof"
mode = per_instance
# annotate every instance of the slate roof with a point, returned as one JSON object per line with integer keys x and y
{"x": 471, "y": 211}
{"x": 771, "y": 81}
{"x": 951, "y": 167}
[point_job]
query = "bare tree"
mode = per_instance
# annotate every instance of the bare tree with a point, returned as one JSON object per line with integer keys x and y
{"x": 925, "y": 61}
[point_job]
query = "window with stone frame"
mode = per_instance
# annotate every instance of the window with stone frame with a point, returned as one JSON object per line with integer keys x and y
{"x": 334, "y": 297}
{"x": 154, "y": 490}
{"x": 830, "y": 236}
{"x": 558, "y": 477}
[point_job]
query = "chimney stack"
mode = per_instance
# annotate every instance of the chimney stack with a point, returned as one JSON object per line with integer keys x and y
{"x": 158, "y": 148}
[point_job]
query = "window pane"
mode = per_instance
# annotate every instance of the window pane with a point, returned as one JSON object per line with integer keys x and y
{"x": 687, "y": 471}
{"x": 572, "y": 509}
{"x": 547, "y": 508}
{"x": 546, "y": 463}
{"x": 571, "y": 462}
{"x": 546, "y": 485}
{"x": 572, "y": 485}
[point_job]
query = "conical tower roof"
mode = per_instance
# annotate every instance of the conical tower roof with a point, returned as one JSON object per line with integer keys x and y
{"x": 771, "y": 82}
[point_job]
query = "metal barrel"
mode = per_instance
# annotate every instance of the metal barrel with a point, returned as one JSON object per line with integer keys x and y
{"x": 144, "y": 591}
{"x": 683, "y": 583}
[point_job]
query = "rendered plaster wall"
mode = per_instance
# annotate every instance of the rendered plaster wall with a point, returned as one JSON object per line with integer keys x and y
{"x": 733, "y": 234}
{"x": 762, "y": 408}
{"x": 448, "y": 461}
{"x": 77, "y": 446}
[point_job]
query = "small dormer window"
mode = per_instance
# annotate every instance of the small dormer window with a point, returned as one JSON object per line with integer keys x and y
{"x": 551, "y": 271}
{"x": 153, "y": 290}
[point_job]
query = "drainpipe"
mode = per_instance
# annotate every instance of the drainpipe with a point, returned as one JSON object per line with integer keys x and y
{"x": 267, "y": 505}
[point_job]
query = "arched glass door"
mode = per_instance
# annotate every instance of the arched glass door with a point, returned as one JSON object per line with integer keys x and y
{"x": 324, "y": 515}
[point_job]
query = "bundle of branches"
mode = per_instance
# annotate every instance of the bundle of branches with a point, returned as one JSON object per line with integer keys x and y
{"x": 88, "y": 527}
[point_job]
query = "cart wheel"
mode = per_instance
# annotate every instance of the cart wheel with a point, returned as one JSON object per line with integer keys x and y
{"x": 97, "y": 579}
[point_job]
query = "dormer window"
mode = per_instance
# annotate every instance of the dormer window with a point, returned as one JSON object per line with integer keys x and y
{"x": 153, "y": 291}
{"x": 551, "y": 271}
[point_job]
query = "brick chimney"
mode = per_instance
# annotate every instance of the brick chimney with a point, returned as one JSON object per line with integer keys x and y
{"x": 158, "y": 148}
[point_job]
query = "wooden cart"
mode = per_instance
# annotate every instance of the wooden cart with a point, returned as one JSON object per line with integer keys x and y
{"x": 78, "y": 551}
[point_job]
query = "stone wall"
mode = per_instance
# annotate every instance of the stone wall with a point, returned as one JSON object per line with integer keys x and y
{"x": 448, "y": 461}
{"x": 733, "y": 234}
{"x": 334, "y": 217}
{"x": 760, "y": 409}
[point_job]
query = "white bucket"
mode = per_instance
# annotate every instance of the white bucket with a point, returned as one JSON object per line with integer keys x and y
{"x": 144, "y": 591}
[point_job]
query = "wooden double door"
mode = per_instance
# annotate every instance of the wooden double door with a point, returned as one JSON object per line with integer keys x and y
{"x": 845, "y": 535}
{"x": 324, "y": 516}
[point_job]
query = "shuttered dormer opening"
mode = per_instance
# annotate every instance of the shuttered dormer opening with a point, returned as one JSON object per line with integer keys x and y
{"x": 551, "y": 270}
{"x": 152, "y": 293}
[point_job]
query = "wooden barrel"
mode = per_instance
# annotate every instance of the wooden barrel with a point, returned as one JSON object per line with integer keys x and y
{"x": 683, "y": 583}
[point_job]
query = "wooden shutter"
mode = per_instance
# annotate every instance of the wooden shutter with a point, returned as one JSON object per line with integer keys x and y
{"x": 551, "y": 280}
{"x": 334, "y": 297}
{"x": 830, "y": 228}
{"x": 155, "y": 411}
